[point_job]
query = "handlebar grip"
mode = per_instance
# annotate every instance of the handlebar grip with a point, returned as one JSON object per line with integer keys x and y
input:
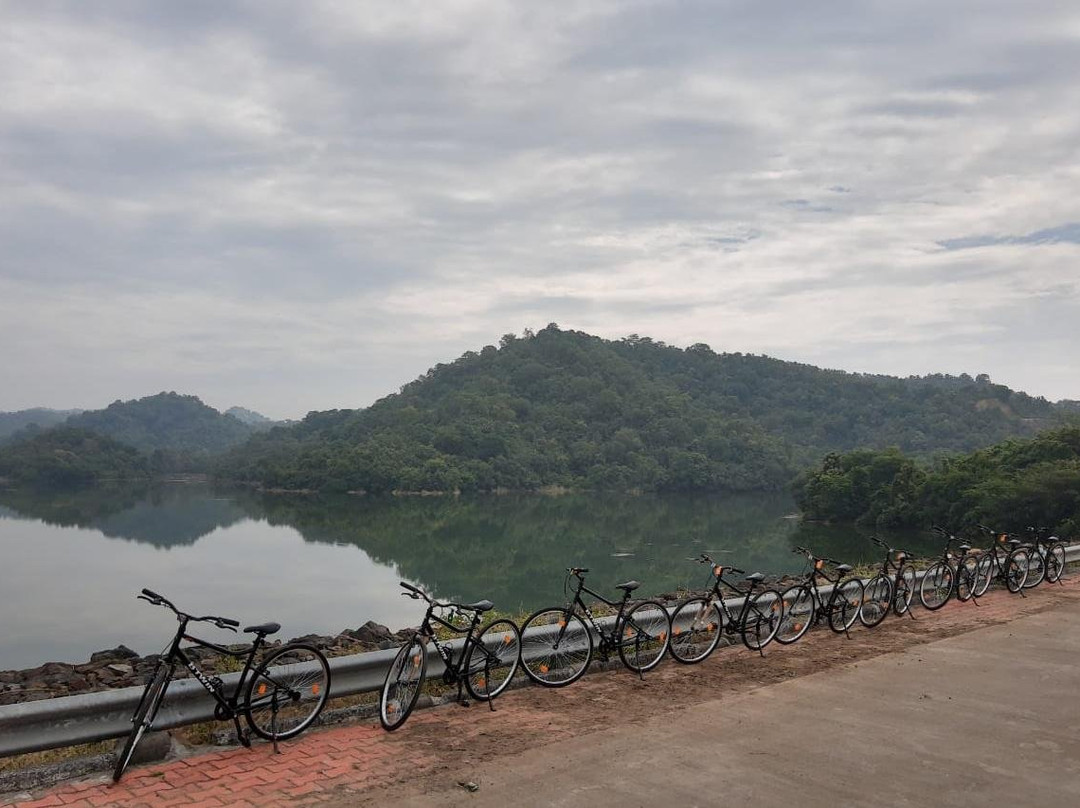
{"x": 152, "y": 594}
{"x": 410, "y": 587}
{"x": 232, "y": 623}
{"x": 577, "y": 570}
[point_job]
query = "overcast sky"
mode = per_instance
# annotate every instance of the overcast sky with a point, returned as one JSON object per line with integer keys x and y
{"x": 299, "y": 206}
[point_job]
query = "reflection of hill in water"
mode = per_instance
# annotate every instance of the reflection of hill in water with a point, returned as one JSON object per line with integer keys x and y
{"x": 514, "y": 549}
{"x": 164, "y": 516}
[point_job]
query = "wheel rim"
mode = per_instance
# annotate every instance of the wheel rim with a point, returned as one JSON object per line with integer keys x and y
{"x": 555, "y": 647}
{"x": 848, "y": 603}
{"x": 905, "y": 590}
{"x": 695, "y": 630}
{"x": 876, "y": 601}
{"x": 936, "y": 586}
{"x": 493, "y": 661}
{"x": 645, "y": 635}
{"x": 798, "y": 613}
{"x": 763, "y": 619}
{"x": 288, "y": 692}
{"x": 403, "y": 683}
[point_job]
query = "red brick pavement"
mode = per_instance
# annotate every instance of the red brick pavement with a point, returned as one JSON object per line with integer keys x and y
{"x": 352, "y": 764}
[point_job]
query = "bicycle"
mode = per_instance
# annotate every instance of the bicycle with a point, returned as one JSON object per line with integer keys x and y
{"x": 950, "y": 575}
{"x": 1047, "y": 555}
{"x": 1007, "y": 565}
{"x": 283, "y": 696}
{"x": 893, "y": 587}
{"x": 557, "y": 645}
{"x": 485, "y": 666}
{"x": 803, "y": 604}
{"x": 699, "y": 620}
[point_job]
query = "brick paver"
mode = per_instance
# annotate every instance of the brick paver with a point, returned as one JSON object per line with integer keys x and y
{"x": 353, "y": 764}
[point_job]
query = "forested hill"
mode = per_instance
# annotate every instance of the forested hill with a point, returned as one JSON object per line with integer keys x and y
{"x": 563, "y": 408}
{"x": 12, "y": 423}
{"x": 166, "y": 421}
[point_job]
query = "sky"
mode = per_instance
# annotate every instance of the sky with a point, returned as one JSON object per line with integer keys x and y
{"x": 303, "y": 206}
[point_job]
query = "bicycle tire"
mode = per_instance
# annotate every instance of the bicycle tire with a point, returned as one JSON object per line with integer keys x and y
{"x": 1036, "y": 568}
{"x": 905, "y": 589}
{"x": 644, "y": 634}
{"x": 143, "y": 718}
{"x": 878, "y": 597}
{"x": 556, "y": 647}
{"x": 696, "y": 625}
{"x": 984, "y": 574}
{"x": 402, "y": 686}
{"x": 965, "y": 579}
{"x": 936, "y": 586}
{"x": 1055, "y": 562}
{"x": 845, "y": 604}
{"x": 762, "y": 619}
{"x": 1015, "y": 570}
{"x": 799, "y": 611}
{"x": 287, "y": 692}
{"x": 493, "y": 660}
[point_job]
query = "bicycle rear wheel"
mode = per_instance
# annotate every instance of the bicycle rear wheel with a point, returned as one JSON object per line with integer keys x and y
{"x": 876, "y": 601}
{"x": 936, "y": 585}
{"x": 798, "y": 613}
{"x": 762, "y": 620}
{"x": 1015, "y": 570}
{"x": 695, "y": 630}
{"x": 556, "y": 647}
{"x": 644, "y": 635}
{"x": 984, "y": 574}
{"x": 1055, "y": 562}
{"x": 287, "y": 692}
{"x": 403, "y": 683}
{"x": 493, "y": 660}
{"x": 143, "y": 718}
{"x": 845, "y": 604}
{"x": 905, "y": 589}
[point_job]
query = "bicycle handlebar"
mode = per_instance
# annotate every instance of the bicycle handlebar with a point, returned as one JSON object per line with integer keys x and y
{"x": 577, "y": 570}
{"x": 154, "y": 598}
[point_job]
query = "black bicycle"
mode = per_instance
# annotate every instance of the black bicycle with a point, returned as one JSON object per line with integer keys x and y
{"x": 278, "y": 700}
{"x": 803, "y": 604}
{"x": 557, "y": 645}
{"x": 1047, "y": 554}
{"x": 699, "y": 620}
{"x": 892, "y": 588}
{"x": 951, "y": 575}
{"x": 485, "y": 666}
{"x": 1005, "y": 559}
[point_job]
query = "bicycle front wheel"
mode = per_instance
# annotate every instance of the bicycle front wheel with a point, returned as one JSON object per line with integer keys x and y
{"x": 936, "y": 586}
{"x": 763, "y": 616}
{"x": 403, "y": 683}
{"x": 876, "y": 601}
{"x": 143, "y": 718}
{"x": 695, "y": 630}
{"x": 493, "y": 660}
{"x": 644, "y": 634}
{"x": 845, "y": 604}
{"x": 905, "y": 589}
{"x": 556, "y": 647}
{"x": 966, "y": 574}
{"x": 287, "y": 692}
{"x": 1055, "y": 562}
{"x": 1036, "y": 568}
{"x": 798, "y": 614}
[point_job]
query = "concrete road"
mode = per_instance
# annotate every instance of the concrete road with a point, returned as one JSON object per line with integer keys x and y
{"x": 991, "y": 717}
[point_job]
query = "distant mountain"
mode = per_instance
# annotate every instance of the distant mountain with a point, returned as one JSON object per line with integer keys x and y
{"x": 563, "y": 408}
{"x": 250, "y": 417}
{"x": 13, "y": 422}
{"x": 166, "y": 421}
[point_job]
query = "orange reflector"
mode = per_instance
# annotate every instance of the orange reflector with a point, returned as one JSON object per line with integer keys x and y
{"x": 819, "y": 564}
{"x": 507, "y": 639}
{"x": 712, "y": 626}
{"x": 262, "y": 690}
{"x": 798, "y": 626}
{"x": 544, "y": 669}
{"x": 481, "y": 683}
{"x": 416, "y": 660}
{"x": 676, "y": 631}
{"x": 562, "y": 624}
{"x": 718, "y": 570}
{"x": 663, "y": 636}
{"x": 315, "y": 689}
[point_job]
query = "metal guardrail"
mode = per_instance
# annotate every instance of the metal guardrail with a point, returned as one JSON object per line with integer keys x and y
{"x": 88, "y": 717}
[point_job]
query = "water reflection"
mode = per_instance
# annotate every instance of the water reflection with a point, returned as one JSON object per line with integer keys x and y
{"x": 322, "y": 564}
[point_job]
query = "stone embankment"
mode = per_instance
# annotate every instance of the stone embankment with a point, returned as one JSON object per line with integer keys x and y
{"x": 122, "y": 667}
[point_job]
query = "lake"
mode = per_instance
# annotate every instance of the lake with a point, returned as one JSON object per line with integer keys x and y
{"x": 73, "y": 562}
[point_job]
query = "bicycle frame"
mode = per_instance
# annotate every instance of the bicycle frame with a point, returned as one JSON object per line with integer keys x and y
{"x": 453, "y": 673}
{"x": 608, "y": 643}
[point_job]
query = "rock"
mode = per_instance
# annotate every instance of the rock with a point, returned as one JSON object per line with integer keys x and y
{"x": 121, "y": 670}
{"x": 119, "y": 652}
{"x": 370, "y": 632}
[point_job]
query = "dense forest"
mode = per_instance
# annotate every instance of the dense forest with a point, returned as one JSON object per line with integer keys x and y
{"x": 1010, "y": 486}
{"x": 566, "y": 409}
{"x": 65, "y": 456}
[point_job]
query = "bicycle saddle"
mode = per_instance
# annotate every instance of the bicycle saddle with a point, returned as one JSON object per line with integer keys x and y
{"x": 480, "y": 606}
{"x": 628, "y": 587}
{"x": 263, "y": 629}
{"x": 1015, "y": 542}
{"x": 843, "y": 569}
{"x": 964, "y": 547}
{"x": 755, "y": 578}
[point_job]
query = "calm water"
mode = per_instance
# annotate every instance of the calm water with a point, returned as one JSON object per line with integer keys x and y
{"x": 73, "y": 563}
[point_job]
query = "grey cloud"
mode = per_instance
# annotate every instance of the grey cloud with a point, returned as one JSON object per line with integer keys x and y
{"x": 1062, "y": 234}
